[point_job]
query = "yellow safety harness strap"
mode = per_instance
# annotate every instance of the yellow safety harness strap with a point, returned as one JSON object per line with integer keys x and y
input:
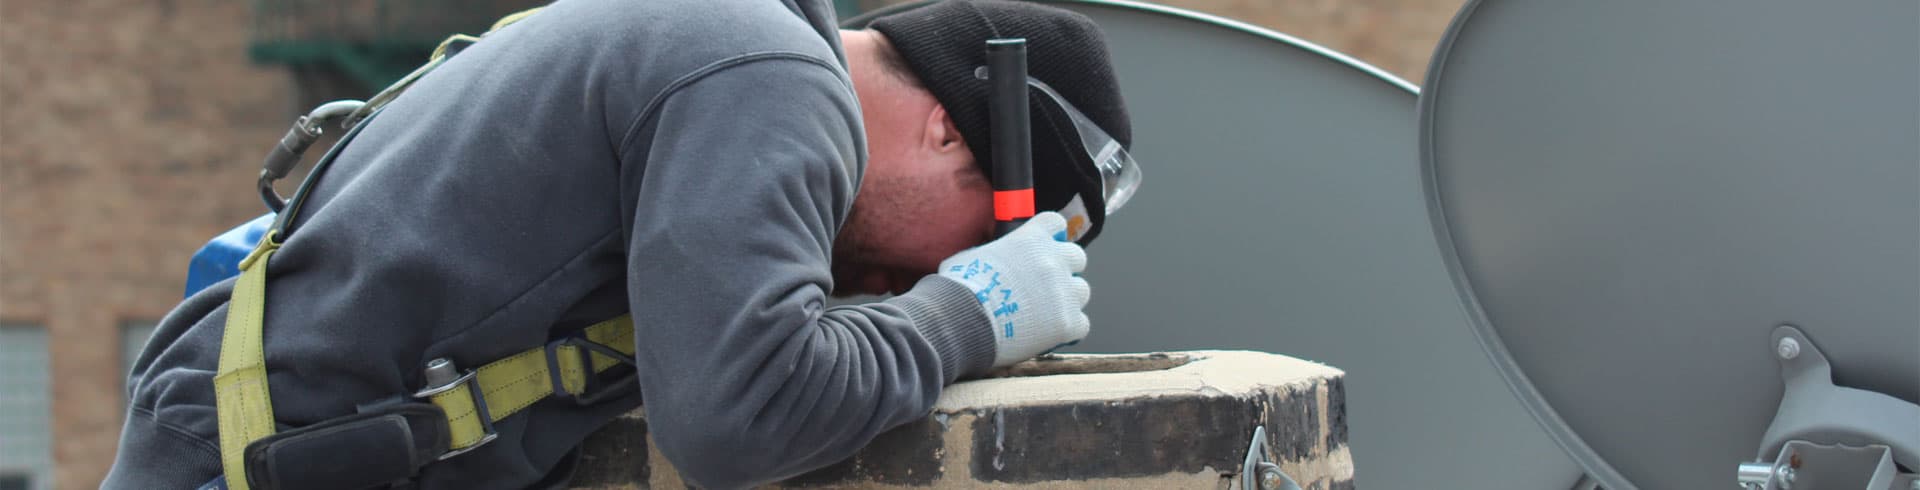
{"x": 505, "y": 387}
{"x": 512, "y": 384}
{"x": 242, "y": 403}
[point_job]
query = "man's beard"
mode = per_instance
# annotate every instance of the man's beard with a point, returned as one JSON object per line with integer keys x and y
{"x": 854, "y": 242}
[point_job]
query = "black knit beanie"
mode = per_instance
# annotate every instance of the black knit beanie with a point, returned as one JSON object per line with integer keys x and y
{"x": 946, "y": 41}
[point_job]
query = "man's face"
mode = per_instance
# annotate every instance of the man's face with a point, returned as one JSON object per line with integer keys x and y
{"x": 921, "y": 200}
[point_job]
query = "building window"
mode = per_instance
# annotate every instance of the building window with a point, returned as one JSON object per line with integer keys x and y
{"x": 133, "y": 338}
{"x": 26, "y": 442}
{"x": 15, "y": 481}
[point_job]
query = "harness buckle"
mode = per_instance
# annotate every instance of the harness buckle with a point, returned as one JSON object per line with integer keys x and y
{"x": 595, "y": 391}
{"x": 443, "y": 376}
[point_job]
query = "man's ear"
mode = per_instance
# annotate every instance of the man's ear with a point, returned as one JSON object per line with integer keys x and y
{"x": 942, "y": 135}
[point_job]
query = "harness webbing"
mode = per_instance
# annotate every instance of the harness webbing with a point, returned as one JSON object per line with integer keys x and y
{"x": 244, "y": 405}
{"x": 511, "y": 384}
{"x": 241, "y": 400}
{"x": 506, "y": 386}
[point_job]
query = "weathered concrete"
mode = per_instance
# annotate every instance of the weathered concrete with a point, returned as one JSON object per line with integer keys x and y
{"x": 1167, "y": 420}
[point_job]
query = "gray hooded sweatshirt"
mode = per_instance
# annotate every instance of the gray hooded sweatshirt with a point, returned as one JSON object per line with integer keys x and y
{"x": 688, "y": 161}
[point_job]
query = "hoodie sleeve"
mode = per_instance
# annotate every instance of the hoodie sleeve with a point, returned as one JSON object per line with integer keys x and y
{"x": 745, "y": 175}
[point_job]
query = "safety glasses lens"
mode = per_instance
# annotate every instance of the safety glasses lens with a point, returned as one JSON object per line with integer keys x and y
{"x": 1119, "y": 173}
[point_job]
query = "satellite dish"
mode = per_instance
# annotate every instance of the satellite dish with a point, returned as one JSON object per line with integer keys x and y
{"x": 1657, "y": 210}
{"x": 1282, "y": 211}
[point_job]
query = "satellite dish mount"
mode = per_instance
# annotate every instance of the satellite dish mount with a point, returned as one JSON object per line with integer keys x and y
{"x": 1827, "y": 436}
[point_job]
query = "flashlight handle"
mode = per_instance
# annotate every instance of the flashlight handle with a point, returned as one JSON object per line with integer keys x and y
{"x": 1012, "y": 134}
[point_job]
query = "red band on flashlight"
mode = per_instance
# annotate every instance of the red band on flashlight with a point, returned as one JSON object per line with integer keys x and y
{"x": 1012, "y": 205}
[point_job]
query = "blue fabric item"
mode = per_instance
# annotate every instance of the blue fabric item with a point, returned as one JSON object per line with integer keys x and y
{"x": 220, "y": 258}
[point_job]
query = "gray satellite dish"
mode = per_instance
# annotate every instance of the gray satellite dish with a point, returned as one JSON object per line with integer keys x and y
{"x": 1282, "y": 211}
{"x": 1636, "y": 196}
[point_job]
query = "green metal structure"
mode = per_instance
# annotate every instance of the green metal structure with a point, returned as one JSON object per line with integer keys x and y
{"x": 375, "y": 42}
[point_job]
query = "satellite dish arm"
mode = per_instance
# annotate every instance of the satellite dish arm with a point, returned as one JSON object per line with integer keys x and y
{"x": 1814, "y": 410}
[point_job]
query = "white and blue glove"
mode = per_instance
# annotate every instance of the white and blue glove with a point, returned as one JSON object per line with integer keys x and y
{"x": 1029, "y": 283}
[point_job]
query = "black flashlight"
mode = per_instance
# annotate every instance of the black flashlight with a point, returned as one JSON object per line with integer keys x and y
{"x": 1012, "y": 135}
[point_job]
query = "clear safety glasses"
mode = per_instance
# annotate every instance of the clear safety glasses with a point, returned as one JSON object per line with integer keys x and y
{"x": 1119, "y": 173}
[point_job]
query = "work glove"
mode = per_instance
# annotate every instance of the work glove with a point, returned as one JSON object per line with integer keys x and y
{"x": 1029, "y": 283}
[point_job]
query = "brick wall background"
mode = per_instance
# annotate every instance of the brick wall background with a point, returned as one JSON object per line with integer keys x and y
{"x": 131, "y": 132}
{"x": 127, "y": 131}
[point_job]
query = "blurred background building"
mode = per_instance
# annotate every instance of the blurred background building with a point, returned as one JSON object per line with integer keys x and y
{"x": 131, "y": 132}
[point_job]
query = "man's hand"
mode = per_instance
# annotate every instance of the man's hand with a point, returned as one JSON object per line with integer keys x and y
{"x": 1029, "y": 283}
